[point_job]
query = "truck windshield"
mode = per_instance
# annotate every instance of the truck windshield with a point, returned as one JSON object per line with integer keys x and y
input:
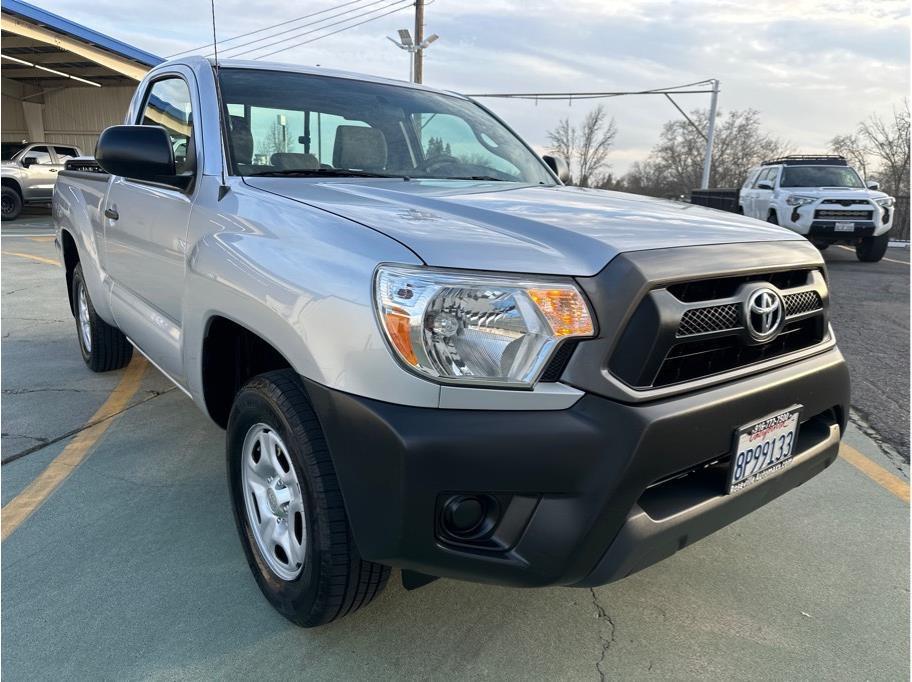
{"x": 295, "y": 124}
{"x": 820, "y": 176}
{"x": 9, "y": 149}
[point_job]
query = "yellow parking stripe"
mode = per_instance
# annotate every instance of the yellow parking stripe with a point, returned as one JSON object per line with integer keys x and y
{"x": 875, "y": 472}
{"x": 38, "y": 491}
{"x": 37, "y": 259}
{"x": 890, "y": 260}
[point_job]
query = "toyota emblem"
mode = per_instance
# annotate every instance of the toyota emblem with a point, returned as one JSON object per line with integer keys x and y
{"x": 763, "y": 314}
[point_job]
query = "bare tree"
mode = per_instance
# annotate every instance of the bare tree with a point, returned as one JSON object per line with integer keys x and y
{"x": 675, "y": 164}
{"x": 585, "y": 149}
{"x": 880, "y": 148}
{"x": 853, "y": 149}
{"x": 276, "y": 139}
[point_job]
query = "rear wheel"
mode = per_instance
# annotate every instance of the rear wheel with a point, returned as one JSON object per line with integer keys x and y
{"x": 10, "y": 204}
{"x": 103, "y": 347}
{"x": 872, "y": 249}
{"x": 288, "y": 507}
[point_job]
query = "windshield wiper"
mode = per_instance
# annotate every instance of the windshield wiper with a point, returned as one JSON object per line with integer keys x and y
{"x": 324, "y": 172}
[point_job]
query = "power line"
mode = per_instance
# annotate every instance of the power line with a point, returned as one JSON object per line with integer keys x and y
{"x": 331, "y": 33}
{"x": 321, "y": 28}
{"x": 557, "y": 96}
{"x": 267, "y": 28}
{"x": 297, "y": 28}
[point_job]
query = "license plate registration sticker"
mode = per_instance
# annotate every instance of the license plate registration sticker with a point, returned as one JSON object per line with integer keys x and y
{"x": 762, "y": 448}
{"x": 845, "y": 227}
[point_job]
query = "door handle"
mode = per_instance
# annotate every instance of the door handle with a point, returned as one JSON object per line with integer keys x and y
{"x": 112, "y": 213}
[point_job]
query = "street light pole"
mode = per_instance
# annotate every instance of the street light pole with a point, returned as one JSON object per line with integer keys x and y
{"x": 710, "y": 130}
{"x": 418, "y": 54}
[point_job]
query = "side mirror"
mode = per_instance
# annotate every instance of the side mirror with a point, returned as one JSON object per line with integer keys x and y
{"x": 764, "y": 185}
{"x": 559, "y": 166}
{"x": 29, "y": 161}
{"x": 139, "y": 153}
{"x": 873, "y": 184}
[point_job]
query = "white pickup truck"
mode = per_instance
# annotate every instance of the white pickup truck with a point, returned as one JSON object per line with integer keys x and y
{"x": 430, "y": 354}
{"x": 822, "y": 198}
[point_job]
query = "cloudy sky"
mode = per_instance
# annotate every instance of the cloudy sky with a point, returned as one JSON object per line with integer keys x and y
{"x": 813, "y": 68}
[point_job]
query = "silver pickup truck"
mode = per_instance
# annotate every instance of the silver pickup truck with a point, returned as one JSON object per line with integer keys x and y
{"x": 28, "y": 172}
{"x": 426, "y": 351}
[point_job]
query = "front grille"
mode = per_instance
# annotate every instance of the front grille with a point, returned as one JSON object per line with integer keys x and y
{"x": 698, "y": 359}
{"x": 845, "y": 202}
{"x": 725, "y": 287}
{"x": 689, "y": 330}
{"x": 823, "y": 214}
{"x": 804, "y": 302}
{"x": 714, "y": 319}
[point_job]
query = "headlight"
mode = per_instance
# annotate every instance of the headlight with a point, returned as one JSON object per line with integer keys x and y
{"x": 798, "y": 200}
{"x": 477, "y": 329}
{"x": 886, "y": 202}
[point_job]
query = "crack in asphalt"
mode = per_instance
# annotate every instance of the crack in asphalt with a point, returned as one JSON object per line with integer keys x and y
{"x": 601, "y": 613}
{"x": 40, "y": 439}
{"x": 56, "y": 439}
{"x": 21, "y": 391}
{"x": 859, "y": 420}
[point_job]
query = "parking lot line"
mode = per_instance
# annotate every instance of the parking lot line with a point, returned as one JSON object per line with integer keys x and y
{"x": 29, "y": 256}
{"x": 875, "y": 472}
{"x": 37, "y": 492}
{"x": 891, "y": 260}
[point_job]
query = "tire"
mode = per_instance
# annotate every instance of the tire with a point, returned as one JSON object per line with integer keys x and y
{"x": 103, "y": 347}
{"x": 314, "y": 573}
{"x": 11, "y": 204}
{"x": 872, "y": 249}
{"x": 772, "y": 218}
{"x": 821, "y": 246}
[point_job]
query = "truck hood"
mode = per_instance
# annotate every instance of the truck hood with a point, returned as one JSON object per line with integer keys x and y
{"x": 520, "y": 228}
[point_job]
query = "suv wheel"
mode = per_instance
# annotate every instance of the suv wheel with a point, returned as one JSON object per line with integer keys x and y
{"x": 103, "y": 347}
{"x": 872, "y": 249}
{"x": 10, "y": 204}
{"x": 772, "y": 218}
{"x": 288, "y": 507}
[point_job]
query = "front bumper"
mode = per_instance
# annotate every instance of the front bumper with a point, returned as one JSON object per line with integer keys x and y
{"x": 586, "y": 495}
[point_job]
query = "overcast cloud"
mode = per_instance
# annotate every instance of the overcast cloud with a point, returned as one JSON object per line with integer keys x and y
{"x": 813, "y": 68}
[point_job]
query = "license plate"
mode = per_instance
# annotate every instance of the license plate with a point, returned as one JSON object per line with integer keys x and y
{"x": 762, "y": 448}
{"x": 845, "y": 227}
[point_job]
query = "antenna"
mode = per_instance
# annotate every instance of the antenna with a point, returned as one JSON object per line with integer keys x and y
{"x": 223, "y": 188}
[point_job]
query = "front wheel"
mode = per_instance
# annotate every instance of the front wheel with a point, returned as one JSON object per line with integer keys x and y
{"x": 103, "y": 347}
{"x": 288, "y": 507}
{"x": 872, "y": 249}
{"x": 10, "y": 203}
{"x": 772, "y": 218}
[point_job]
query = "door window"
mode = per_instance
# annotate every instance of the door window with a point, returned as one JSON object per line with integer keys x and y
{"x": 42, "y": 156}
{"x": 168, "y": 105}
{"x": 65, "y": 153}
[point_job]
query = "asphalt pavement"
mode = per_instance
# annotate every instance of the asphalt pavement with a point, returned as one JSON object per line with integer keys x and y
{"x": 131, "y": 567}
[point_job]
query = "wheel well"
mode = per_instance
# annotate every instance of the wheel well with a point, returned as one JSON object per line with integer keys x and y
{"x": 232, "y": 355}
{"x": 772, "y": 211}
{"x": 9, "y": 182}
{"x": 70, "y": 261}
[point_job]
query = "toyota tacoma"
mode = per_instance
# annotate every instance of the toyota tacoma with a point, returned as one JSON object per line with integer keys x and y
{"x": 429, "y": 353}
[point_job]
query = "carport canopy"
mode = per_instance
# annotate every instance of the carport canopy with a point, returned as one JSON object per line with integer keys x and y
{"x": 63, "y": 82}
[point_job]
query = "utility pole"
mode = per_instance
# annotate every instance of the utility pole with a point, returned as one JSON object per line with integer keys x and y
{"x": 710, "y": 129}
{"x": 418, "y": 55}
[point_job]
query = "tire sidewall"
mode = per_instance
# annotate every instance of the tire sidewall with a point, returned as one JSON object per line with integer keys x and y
{"x": 296, "y": 598}
{"x": 79, "y": 281}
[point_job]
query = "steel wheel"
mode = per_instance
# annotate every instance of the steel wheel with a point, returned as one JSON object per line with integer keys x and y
{"x": 274, "y": 503}
{"x": 85, "y": 322}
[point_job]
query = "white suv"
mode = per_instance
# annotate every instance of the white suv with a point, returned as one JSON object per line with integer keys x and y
{"x": 822, "y": 198}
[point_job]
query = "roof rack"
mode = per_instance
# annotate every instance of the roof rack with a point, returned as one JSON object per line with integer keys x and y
{"x": 808, "y": 160}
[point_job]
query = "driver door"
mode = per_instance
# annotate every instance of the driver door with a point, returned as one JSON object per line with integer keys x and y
{"x": 40, "y": 175}
{"x": 146, "y": 232}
